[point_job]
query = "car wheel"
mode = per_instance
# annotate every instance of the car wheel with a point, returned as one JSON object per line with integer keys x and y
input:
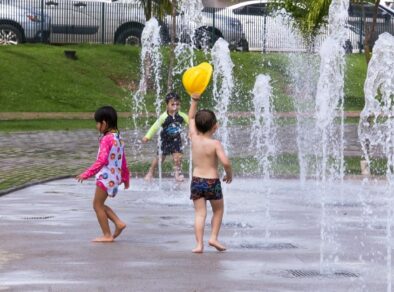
{"x": 204, "y": 38}
{"x": 129, "y": 36}
{"x": 10, "y": 35}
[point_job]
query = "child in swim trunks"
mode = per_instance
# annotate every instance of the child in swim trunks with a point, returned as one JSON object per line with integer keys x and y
{"x": 205, "y": 185}
{"x": 110, "y": 169}
{"x": 171, "y": 123}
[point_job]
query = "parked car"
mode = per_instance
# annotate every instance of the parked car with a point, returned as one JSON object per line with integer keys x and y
{"x": 75, "y": 21}
{"x": 118, "y": 21}
{"x": 21, "y": 24}
{"x": 263, "y": 28}
{"x": 212, "y": 27}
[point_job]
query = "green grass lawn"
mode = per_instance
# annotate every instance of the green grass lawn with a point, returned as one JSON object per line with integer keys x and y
{"x": 38, "y": 78}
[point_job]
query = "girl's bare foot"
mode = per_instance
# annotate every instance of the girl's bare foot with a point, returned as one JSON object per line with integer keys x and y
{"x": 104, "y": 239}
{"x": 216, "y": 244}
{"x": 198, "y": 249}
{"x": 118, "y": 229}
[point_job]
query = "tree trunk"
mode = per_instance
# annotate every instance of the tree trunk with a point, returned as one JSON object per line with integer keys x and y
{"x": 171, "y": 62}
{"x": 369, "y": 31}
{"x": 149, "y": 81}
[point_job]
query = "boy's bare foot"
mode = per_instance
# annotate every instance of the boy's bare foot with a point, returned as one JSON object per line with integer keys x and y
{"x": 216, "y": 244}
{"x": 104, "y": 239}
{"x": 179, "y": 177}
{"x": 148, "y": 177}
{"x": 198, "y": 249}
{"x": 118, "y": 229}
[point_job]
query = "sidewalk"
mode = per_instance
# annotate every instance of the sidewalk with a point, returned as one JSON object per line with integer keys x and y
{"x": 4, "y": 116}
{"x": 31, "y": 157}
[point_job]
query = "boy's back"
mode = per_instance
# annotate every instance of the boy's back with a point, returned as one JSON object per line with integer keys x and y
{"x": 205, "y": 156}
{"x": 206, "y": 152}
{"x": 205, "y": 184}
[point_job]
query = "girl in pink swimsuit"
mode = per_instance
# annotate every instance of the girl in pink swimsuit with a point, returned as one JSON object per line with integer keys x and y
{"x": 110, "y": 169}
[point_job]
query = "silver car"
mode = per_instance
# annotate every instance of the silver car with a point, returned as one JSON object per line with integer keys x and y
{"x": 20, "y": 24}
{"x": 87, "y": 21}
{"x": 118, "y": 21}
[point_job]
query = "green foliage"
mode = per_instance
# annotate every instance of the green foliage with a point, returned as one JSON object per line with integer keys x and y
{"x": 157, "y": 8}
{"x": 309, "y": 15}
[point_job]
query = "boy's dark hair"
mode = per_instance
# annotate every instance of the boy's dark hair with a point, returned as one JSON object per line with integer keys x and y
{"x": 172, "y": 95}
{"x": 205, "y": 120}
{"x": 107, "y": 114}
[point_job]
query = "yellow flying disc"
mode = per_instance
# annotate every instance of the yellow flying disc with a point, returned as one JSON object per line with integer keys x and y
{"x": 196, "y": 79}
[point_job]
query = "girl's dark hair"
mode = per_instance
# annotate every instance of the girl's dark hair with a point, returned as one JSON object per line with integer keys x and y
{"x": 109, "y": 115}
{"x": 205, "y": 120}
{"x": 172, "y": 95}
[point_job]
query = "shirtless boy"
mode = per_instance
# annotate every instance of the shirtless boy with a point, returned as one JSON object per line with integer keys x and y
{"x": 206, "y": 153}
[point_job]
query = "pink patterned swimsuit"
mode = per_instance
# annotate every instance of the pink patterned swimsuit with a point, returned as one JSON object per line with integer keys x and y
{"x": 110, "y": 167}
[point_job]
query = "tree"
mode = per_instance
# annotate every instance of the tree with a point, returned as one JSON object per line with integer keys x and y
{"x": 171, "y": 61}
{"x": 159, "y": 9}
{"x": 310, "y": 15}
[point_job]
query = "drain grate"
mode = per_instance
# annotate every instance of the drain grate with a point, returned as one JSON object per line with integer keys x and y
{"x": 268, "y": 246}
{"x": 167, "y": 217}
{"x": 238, "y": 225}
{"x": 315, "y": 273}
{"x": 344, "y": 205}
{"x": 38, "y": 218}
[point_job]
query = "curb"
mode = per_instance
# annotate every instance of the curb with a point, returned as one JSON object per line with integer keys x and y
{"x": 168, "y": 175}
{"x": 30, "y": 184}
{"x": 20, "y": 116}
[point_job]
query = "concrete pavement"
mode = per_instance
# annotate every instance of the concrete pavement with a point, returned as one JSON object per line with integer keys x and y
{"x": 273, "y": 233}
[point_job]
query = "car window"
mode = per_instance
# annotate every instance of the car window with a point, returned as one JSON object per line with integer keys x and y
{"x": 357, "y": 11}
{"x": 252, "y": 9}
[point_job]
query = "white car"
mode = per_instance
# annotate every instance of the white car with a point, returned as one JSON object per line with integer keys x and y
{"x": 263, "y": 30}
{"x": 269, "y": 31}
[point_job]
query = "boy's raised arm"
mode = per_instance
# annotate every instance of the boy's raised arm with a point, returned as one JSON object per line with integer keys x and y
{"x": 192, "y": 113}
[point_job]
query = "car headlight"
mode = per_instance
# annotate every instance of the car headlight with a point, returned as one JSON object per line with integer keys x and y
{"x": 33, "y": 17}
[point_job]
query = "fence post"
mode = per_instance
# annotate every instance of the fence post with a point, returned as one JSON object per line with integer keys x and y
{"x": 102, "y": 22}
{"x": 360, "y": 41}
{"x": 42, "y": 21}
{"x": 213, "y": 27}
{"x": 265, "y": 33}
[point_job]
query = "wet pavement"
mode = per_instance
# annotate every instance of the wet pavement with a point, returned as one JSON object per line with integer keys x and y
{"x": 273, "y": 232}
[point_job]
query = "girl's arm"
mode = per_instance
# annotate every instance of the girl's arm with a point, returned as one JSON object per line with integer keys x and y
{"x": 125, "y": 171}
{"x": 155, "y": 127}
{"x": 102, "y": 158}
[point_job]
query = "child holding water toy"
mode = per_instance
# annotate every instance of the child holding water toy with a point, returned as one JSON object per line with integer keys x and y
{"x": 206, "y": 155}
{"x": 205, "y": 185}
{"x": 171, "y": 124}
{"x": 110, "y": 169}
